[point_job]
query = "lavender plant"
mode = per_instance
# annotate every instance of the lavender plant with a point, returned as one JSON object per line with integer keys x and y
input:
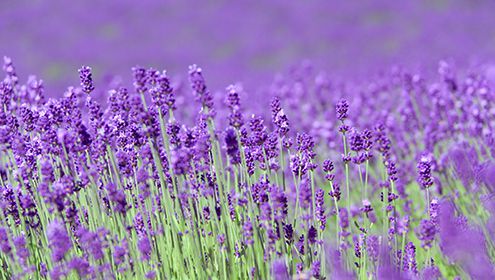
{"x": 387, "y": 179}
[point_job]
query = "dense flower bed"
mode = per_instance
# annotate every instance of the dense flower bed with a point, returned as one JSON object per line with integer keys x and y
{"x": 391, "y": 178}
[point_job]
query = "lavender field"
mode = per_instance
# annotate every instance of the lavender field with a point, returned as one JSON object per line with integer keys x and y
{"x": 335, "y": 149}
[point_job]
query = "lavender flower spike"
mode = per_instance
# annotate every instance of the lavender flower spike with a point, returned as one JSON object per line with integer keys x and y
{"x": 86, "y": 79}
{"x": 425, "y": 178}
{"x": 60, "y": 242}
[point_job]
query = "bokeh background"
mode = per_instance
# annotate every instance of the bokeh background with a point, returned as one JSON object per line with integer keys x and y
{"x": 239, "y": 41}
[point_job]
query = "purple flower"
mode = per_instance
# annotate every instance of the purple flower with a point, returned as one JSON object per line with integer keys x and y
{"x": 287, "y": 143}
{"x": 248, "y": 231}
{"x": 431, "y": 272}
{"x": 67, "y": 156}
{"x": 181, "y": 161}
{"x": 198, "y": 85}
{"x": 409, "y": 260}
{"x": 343, "y": 218}
{"x": 388, "y": 269}
{"x": 221, "y": 239}
{"x": 463, "y": 245}
{"x": 232, "y": 146}
{"x": 434, "y": 208}
{"x": 366, "y": 207}
{"x": 120, "y": 252}
{"x": 424, "y": 166}
{"x": 258, "y": 129}
{"x": 328, "y": 166}
{"x": 463, "y": 159}
{"x": 232, "y": 100}
{"x": 86, "y": 79}
{"x": 373, "y": 247}
{"x": 144, "y": 247}
{"x": 288, "y": 233}
{"x": 427, "y": 231}
{"x": 335, "y": 192}
{"x": 335, "y": 261}
{"x": 315, "y": 269}
{"x": 357, "y": 246}
{"x": 279, "y": 270}
{"x": 118, "y": 198}
{"x": 9, "y": 69}
{"x": 305, "y": 146}
{"x": 305, "y": 194}
{"x": 367, "y": 136}
{"x": 265, "y": 212}
{"x": 312, "y": 235}
{"x": 391, "y": 170}
{"x": 280, "y": 203}
{"x": 299, "y": 268}
{"x": 173, "y": 130}
{"x": 9, "y": 204}
{"x": 80, "y": 265}
{"x": 356, "y": 141}
{"x": 92, "y": 242}
{"x": 58, "y": 240}
{"x": 28, "y": 117}
{"x": 320, "y": 208}
{"x": 403, "y": 225}
{"x": 342, "y": 108}
{"x": 206, "y": 213}
{"x": 21, "y": 249}
{"x": 58, "y": 272}
{"x": 383, "y": 142}
{"x": 162, "y": 93}
{"x": 150, "y": 274}
{"x": 47, "y": 171}
{"x": 140, "y": 79}
{"x": 279, "y": 118}
{"x": 300, "y": 245}
{"x": 43, "y": 269}
{"x": 4, "y": 241}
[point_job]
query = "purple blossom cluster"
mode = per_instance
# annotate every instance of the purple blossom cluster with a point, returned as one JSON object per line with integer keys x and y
{"x": 316, "y": 186}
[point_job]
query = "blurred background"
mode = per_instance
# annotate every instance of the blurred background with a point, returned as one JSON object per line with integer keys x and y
{"x": 245, "y": 41}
